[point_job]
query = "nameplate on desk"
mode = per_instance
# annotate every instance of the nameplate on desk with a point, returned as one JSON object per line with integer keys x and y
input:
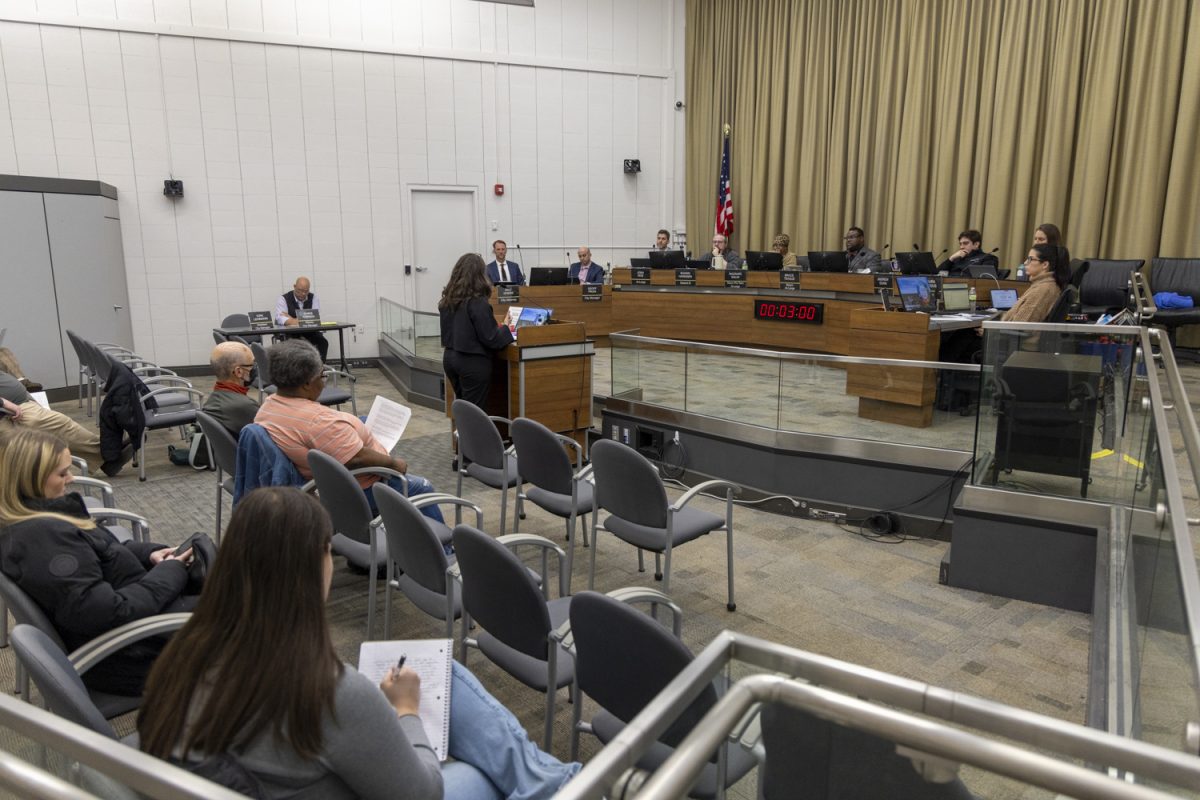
{"x": 735, "y": 279}
{"x": 685, "y": 277}
{"x": 789, "y": 280}
{"x": 883, "y": 280}
{"x": 308, "y": 317}
{"x": 508, "y": 294}
{"x": 639, "y": 276}
{"x": 592, "y": 293}
{"x": 261, "y": 320}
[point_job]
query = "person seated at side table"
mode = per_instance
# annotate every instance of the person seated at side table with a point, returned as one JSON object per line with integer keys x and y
{"x": 297, "y": 423}
{"x": 585, "y": 270}
{"x": 289, "y": 303}
{"x": 230, "y": 403}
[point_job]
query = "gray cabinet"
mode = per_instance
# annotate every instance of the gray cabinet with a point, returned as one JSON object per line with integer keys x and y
{"x": 63, "y": 266}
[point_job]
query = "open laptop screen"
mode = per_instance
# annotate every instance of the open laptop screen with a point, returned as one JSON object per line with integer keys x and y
{"x": 1004, "y": 299}
{"x": 916, "y": 293}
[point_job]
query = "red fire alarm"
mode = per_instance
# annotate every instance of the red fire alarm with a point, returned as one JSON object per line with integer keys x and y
{"x": 499, "y": 190}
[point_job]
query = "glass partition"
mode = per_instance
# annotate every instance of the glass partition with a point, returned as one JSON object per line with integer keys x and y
{"x": 417, "y": 333}
{"x": 929, "y": 404}
{"x": 1053, "y": 409}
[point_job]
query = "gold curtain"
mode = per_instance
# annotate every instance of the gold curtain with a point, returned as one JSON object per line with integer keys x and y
{"x": 916, "y": 119}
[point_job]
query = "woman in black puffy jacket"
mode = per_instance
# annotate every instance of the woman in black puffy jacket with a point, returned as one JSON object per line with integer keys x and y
{"x": 85, "y": 580}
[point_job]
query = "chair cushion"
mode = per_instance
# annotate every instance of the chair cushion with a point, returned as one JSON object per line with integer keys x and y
{"x": 359, "y": 553}
{"x": 169, "y": 419}
{"x": 430, "y": 602}
{"x": 495, "y": 477}
{"x": 440, "y": 530}
{"x": 530, "y": 671}
{"x": 1176, "y": 316}
{"x": 172, "y": 399}
{"x": 114, "y": 705}
{"x": 606, "y": 727}
{"x": 560, "y": 504}
{"x": 333, "y": 396}
{"x": 690, "y": 523}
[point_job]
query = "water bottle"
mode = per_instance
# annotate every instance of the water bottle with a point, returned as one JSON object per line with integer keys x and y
{"x": 895, "y": 265}
{"x": 971, "y": 296}
{"x": 1021, "y": 271}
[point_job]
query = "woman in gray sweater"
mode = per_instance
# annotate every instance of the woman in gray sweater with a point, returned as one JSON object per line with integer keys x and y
{"x": 254, "y": 674}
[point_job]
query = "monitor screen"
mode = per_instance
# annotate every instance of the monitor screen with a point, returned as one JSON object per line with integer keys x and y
{"x": 956, "y": 297}
{"x": 549, "y": 276}
{"x": 666, "y": 259}
{"x": 1004, "y": 299}
{"x": 769, "y": 260}
{"x": 827, "y": 261}
{"x": 916, "y": 293}
{"x": 916, "y": 263}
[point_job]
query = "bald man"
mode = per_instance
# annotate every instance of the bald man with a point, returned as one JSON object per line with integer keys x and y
{"x": 230, "y": 403}
{"x": 299, "y": 297}
{"x": 584, "y": 270}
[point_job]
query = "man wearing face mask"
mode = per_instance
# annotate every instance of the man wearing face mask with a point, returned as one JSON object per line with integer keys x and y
{"x": 230, "y": 404}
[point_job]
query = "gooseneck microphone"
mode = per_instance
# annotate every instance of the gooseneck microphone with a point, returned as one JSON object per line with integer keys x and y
{"x": 916, "y": 247}
{"x": 522, "y": 255}
{"x": 886, "y": 247}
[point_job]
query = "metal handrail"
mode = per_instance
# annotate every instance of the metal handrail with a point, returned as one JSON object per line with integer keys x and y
{"x": 1061, "y": 327}
{"x": 783, "y": 355}
{"x": 125, "y": 765}
{"x": 1185, "y": 557}
{"x": 904, "y": 695}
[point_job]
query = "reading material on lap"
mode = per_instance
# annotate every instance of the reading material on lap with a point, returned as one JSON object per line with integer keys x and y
{"x": 387, "y": 420}
{"x": 429, "y": 658}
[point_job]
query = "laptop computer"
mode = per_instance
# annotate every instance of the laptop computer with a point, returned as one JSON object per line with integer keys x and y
{"x": 916, "y": 294}
{"x": 1004, "y": 299}
{"x": 768, "y": 260}
{"x": 956, "y": 298}
{"x": 916, "y": 263}
{"x": 827, "y": 261}
{"x": 548, "y": 276}
{"x": 694, "y": 263}
{"x": 666, "y": 259}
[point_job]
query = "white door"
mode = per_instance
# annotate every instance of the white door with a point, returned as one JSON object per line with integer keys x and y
{"x": 443, "y": 228}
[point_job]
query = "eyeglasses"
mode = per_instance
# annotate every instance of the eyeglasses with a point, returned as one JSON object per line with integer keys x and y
{"x": 251, "y": 365}
{"x": 1035, "y": 258}
{"x": 850, "y": 236}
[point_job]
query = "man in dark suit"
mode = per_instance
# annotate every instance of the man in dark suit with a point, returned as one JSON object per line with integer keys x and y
{"x": 502, "y": 270}
{"x": 592, "y": 273}
{"x": 970, "y": 254}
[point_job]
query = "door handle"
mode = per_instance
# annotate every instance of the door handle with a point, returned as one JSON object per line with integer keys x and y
{"x": 421, "y": 269}
{"x": 117, "y": 308}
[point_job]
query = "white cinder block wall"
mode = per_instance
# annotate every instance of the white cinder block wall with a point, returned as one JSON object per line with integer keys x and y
{"x": 296, "y": 126}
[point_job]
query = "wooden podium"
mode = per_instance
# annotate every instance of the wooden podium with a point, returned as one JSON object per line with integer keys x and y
{"x": 900, "y": 395}
{"x": 546, "y": 375}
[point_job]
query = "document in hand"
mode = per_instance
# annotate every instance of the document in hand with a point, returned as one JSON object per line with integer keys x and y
{"x": 429, "y": 658}
{"x": 387, "y": 420}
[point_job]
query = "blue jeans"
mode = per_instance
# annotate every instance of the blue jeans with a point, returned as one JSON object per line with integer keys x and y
{"x": 493, "y": 756}
{"x": 416, "y": 485}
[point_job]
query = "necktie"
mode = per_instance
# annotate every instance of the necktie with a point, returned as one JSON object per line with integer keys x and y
{"x": 504, "y": 272}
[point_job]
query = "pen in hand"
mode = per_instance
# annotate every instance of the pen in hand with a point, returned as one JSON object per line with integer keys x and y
{"x": 400, "y": 663}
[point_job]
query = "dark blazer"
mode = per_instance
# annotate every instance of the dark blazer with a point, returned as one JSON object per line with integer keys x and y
{"x": 595, "y": 273}
{"x": 471, "y": 328}
{"x": 514, "y": 273}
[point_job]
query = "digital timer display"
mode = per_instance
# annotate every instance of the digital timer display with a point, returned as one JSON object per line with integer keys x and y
{"x": 788, "y": 311}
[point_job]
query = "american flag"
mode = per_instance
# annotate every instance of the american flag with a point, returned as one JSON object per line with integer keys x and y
{"x": 724, "y": 221}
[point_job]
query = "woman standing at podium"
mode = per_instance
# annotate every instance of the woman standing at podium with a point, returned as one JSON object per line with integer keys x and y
{"x": 469, "y": 331}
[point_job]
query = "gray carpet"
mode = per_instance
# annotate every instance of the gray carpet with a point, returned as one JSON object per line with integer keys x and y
{"x": 806, "y": 584}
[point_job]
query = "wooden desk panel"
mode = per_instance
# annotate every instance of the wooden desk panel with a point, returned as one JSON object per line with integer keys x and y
{"x": 893, "y": 394}
{"x": 568, "y": 303}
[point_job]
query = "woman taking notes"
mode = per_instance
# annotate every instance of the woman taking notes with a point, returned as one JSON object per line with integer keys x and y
{"x": 469, "y": 331}
{"x": 254, "y": 673}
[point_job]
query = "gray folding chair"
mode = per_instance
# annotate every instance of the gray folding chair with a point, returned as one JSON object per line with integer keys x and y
{"x": 481, "y": 453}
{"x": 519, "y": 624}
{"x": 630, "y": 489}
{"x": 355, "y": 528}
{"x": 222, "y": 454}
{"x": 557, "y": 486}
{"x": 417, "y": 560}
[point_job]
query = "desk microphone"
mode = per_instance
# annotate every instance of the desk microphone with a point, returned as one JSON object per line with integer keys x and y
{"x": 993, "y": 251}
{"x": 916, "y": 247}
{"x": 522, "y": 255}
{"x": 944, "y": 251}
{"x": 886, "y": 247}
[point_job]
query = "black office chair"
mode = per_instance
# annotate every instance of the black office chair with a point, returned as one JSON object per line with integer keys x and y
{"x": 1104, "y": 288}
{"x": 1181, "y": 276}
{"x": 1062, "y": 307}
{"x": 1079, "y": 268}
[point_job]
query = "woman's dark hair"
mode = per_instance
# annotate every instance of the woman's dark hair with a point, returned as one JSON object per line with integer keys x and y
{"x": 467, "y": 280}
{"x": 1053, "y": 234}
{"x": 1058, "y": 261}
{"x": 256, "y": 654}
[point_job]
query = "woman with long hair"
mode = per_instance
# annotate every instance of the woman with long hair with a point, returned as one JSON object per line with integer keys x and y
{"x": 254, "y": 674}
{"x": 1048, "y": 267}
{"x": 85, "y": 581}
{"x": 1047, "y": 233}
{"x": 469, "y": 330}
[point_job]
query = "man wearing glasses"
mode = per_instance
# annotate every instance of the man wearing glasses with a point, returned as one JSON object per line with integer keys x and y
{"x": 722, "y": 257}
{"x": 230, "y": 403}
{"x": 860, "y": 257}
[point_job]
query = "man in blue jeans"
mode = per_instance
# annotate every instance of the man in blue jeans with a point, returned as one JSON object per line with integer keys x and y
{"x": 298, "y": 423}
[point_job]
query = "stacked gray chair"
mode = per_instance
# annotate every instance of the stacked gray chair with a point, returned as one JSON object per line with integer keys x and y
{"x": 222, "y": 454}
{"x": 630, "y": 489}
{"x": 356, "y": 529}
{"x": 557, "y": 486}
{"x": 417, "y": 559}
{"x": 481, "y": 453}
{"x": 519, "y": 625}
{"x": 623, "y": 659}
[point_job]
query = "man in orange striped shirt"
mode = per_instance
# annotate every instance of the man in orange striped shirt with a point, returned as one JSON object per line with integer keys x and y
{"x": 297, "y": 423}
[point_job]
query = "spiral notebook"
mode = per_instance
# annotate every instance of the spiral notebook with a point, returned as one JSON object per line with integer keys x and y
{"x": 430, "y": 658}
